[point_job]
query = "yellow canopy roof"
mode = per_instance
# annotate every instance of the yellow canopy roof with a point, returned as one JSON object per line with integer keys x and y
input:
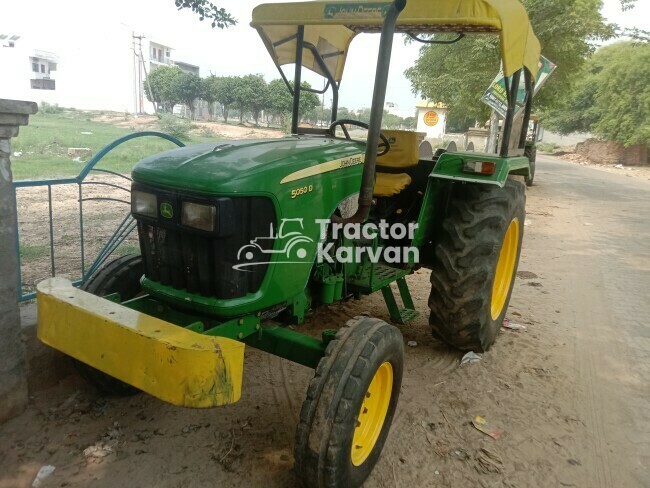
{"x": 331, "y": 25}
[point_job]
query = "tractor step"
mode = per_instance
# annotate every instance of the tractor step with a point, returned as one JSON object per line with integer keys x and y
{"x": 375, "y": 278}
{"x": 400, "y": 315}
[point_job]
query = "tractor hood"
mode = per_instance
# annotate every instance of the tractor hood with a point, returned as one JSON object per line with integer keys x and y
{"x": 240, "y": 166}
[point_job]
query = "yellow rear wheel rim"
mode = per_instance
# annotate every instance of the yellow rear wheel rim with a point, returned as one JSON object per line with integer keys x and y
{"x": 372, "y": 413}
{"x": 505, "y": 268}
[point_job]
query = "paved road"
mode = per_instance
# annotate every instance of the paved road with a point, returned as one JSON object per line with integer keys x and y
{"x": 602, "y": 231}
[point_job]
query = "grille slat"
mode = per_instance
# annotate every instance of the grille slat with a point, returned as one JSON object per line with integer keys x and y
{"x": 202, "y": 263}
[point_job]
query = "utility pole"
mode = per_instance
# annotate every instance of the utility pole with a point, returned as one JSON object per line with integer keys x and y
{"x": 140, "y": 87}
{"x": 135, "y": 75}
{"x": 143, "y": 67}
{"x": 146, "y": 75}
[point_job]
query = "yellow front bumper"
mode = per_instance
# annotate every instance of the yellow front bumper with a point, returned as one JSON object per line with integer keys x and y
{"x": 169, "y": 362}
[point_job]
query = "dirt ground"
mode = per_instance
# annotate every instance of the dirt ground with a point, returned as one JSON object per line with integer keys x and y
{"x": 569, "y": 394}
{"x": 227, "y": 131}
{"x": 629, "y": 171}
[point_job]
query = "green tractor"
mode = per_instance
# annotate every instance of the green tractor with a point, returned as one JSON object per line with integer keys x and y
{"x": 239, "y": 240}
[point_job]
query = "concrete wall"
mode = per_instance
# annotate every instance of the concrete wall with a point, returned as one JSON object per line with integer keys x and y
{"x": 13, "y": 383}
{"x": 560, "y": 140}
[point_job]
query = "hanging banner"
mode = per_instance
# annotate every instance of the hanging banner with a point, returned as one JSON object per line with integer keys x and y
{"x": 495, "y": 95}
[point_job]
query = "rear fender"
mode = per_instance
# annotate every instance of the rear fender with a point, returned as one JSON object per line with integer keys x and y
{"x": 449, "y": 170}
{"x": 450, "y": 167}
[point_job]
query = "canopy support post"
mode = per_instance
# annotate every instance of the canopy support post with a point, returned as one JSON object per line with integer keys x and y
{"x": 376, "y": 113}
{"x": 512, "y": 87}
{"x": 297, "y": 81}
{"x": 528, "y": 80}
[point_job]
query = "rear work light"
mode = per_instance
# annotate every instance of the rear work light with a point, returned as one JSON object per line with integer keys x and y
{"x": 482, "y": 167}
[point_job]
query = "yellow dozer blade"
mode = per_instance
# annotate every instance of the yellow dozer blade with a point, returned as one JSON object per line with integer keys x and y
{"x": 169, "y": 362}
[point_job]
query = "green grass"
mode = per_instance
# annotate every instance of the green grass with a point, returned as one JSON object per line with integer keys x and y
{"x": 127, "y": 248}
{"x": 45, "y": 142}
{"x": 32, "y": 252}
{"x": 546, "y": 147}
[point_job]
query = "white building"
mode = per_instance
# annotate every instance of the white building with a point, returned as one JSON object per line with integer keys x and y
{"x": 30, "y": 73}
{"x": 43, "y": 64}
{"x": 104, "y": 70}
{"x": 432, "y": 119}
{"x": 188, "y": 68}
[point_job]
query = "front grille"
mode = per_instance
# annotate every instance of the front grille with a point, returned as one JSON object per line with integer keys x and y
{"x": 202, "y": 262}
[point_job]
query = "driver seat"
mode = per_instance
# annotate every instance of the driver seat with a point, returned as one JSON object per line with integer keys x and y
{"x": 403, "y": 154}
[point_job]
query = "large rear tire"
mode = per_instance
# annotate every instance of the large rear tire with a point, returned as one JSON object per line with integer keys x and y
{"x": 475, "y": 264}
{"x": 122, "y": 276}
{"x": 351, "y": 400}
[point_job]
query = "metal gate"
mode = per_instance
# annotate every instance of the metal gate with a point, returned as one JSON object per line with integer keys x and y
{"x": 123, "y": 230}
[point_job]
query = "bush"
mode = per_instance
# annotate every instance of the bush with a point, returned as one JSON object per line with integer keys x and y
{"x": 48, "y": 108}
{"x": 546, "y": 147}
{"x": 174, "y": 126}
{"x": 205, "y": 131}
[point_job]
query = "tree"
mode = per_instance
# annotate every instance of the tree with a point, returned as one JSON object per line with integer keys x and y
{"x": 627, "y": 4}
{"x": 281, "y": 102}
{"x": 410, "y": 123}
{"x": 458, "y": 74}
{"x": 225, "y": 93}
{"x": 344, "y": 113}
{"x": 309, "y": 101}
{"x": 206, "y": 9}
{"x": 162, "y": 81}
{"x": 209, "y": 93}
{"x": 250, "y": 95}
{"x": 187, "y": 88}
{"x": 259, "y": 99}
{"x": 611, "y": 97}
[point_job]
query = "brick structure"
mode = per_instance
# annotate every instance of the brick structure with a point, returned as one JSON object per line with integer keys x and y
{"x": 13, "y": 382}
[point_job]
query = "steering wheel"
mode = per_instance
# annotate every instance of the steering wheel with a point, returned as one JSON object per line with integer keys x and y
{"x": 384, "y": 140}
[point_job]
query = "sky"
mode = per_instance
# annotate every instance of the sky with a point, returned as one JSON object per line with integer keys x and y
{"x": 61, "y": 26}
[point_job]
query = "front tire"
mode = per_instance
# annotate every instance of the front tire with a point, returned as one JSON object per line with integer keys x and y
{"x": 122, "y": 276}
{"x": 350, "y": 404}
{"x": 475, "y": 264}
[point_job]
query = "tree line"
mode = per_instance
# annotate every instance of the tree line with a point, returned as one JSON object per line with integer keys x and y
{"x": 610, "y": 98}
{"x": 600, "y": 90}
{"x": 606, "y": 92}
{"x": 168, "y": 86}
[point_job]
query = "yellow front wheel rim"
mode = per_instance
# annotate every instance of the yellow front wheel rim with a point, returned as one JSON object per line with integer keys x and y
{"x": 505, "y": 268}
{"x": 372, "y": 413}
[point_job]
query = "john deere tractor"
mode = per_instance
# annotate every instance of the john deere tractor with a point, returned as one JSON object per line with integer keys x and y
{"x": 239, "y": 240}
